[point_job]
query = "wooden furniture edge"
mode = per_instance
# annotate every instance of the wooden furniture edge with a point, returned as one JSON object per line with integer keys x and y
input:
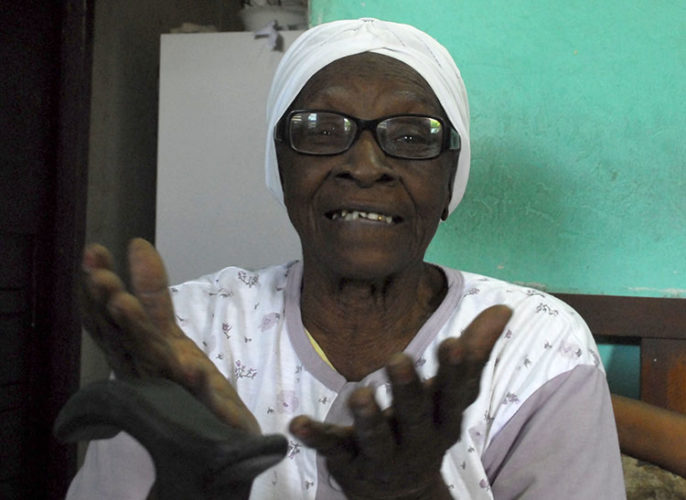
{"x": 659, "y": 323}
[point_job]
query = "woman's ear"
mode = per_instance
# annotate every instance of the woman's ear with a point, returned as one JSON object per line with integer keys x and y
{"x": 277, "y": 147}
{"x": 451, "y": 183}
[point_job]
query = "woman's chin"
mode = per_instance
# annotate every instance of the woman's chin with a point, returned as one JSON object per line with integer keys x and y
{"x": 367, "y": 265}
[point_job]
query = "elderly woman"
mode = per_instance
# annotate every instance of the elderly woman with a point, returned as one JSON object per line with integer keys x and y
{"x": 418, "y": 381}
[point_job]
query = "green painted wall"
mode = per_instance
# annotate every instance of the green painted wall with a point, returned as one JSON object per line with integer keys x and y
{"x": 578, "y": 113}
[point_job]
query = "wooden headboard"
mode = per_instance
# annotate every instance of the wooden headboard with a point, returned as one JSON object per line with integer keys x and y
{"x": 659, "y": 327}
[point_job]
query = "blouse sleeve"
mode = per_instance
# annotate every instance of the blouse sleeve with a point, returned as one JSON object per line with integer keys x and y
{"x": 561, "y": 443}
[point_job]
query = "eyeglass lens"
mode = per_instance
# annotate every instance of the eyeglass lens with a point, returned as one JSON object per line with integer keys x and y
{"x": 328, "y": 133}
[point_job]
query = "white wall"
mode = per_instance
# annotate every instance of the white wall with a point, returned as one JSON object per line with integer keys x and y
{"x": 213, "y": 209}
{"x": 123, "y": 132}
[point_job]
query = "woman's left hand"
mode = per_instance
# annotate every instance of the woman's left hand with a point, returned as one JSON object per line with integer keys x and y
{"x": 397, "y": 453}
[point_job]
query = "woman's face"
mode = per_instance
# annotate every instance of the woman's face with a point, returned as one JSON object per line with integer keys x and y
{"x": 413, "y": 193}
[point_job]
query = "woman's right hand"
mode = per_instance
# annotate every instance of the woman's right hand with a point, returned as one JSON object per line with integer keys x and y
{"x": 138, "y": 333}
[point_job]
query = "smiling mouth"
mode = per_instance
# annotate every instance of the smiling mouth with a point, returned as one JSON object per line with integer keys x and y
{"x": 351, "y": 215}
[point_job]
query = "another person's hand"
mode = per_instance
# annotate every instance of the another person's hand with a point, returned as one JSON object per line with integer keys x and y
{"x": 138, "y": 332}
{"x": 397, "y": 453}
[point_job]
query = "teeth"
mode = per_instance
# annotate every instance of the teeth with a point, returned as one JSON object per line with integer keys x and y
{"x": 356, "y": 214}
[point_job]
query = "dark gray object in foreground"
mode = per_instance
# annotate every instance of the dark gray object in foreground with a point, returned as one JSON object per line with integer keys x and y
{"x": 195, "y": 455}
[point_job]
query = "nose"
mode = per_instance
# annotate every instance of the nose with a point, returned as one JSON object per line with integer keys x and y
{"x": 365, "y": 163}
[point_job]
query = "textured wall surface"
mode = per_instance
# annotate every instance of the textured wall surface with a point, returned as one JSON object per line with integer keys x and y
{"x": 578, "y": 177}
{"x": 578, "y": 180}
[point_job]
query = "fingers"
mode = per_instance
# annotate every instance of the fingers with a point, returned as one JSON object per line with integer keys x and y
{"x": 149, "y": 284}
{"x": 98, "y": 282}
{"x": 127, "y": 346}
{"x": 213, "y": 390}
{"x": 461, "y": 360}
{"x": 136, "y": 331}
{"x": 131, "y": 332}
{"x": 98, "y": 285}
{"x": 370, "y": 436}
{"x": 484, "y": 331}
{"x": 139, "y": 335}
{"x": 412, "y": 409}
{"x": 148, "y": 275}
{"x": 373, "y": 435}
{"x": 329, "y": 440}
{"x": 97, "y": 256}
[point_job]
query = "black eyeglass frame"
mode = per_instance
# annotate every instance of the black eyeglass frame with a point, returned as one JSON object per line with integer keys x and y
{"x": 451, "y": 141}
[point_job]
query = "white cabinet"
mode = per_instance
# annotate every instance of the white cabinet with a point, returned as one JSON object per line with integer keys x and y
{"x": 213, "y": 209}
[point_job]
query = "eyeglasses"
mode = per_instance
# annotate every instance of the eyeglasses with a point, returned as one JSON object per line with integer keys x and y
{"x": 321, "y": 133}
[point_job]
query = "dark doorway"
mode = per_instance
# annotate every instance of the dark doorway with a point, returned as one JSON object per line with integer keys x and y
{"x": 44, "y": 101}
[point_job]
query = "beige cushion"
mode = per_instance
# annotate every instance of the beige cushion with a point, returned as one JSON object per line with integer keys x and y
{"x": 645, "y": 481}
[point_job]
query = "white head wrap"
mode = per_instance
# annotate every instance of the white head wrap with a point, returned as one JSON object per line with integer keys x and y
{"x": 323, "y": 44}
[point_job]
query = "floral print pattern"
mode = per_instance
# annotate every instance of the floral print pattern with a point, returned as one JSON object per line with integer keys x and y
{"x": 247, "y": 334}
{"x": 242, "y": 371}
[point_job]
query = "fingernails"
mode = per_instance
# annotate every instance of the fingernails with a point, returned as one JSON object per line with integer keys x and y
{"x": 362, "y": 403}
{"x": 400, "y": 369}
{"x": 300, "y": 427}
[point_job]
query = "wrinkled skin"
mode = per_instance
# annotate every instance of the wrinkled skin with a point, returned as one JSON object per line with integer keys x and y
{"x": 138, "y": 333}
{"x": 366, "y": 288}
{"x": 398, "y": 453}
{"x": 373, "y": 271}
{"x": 392, "y": 454}
{"x": 367, "y": 86}
{"x": 350, "y": 271}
